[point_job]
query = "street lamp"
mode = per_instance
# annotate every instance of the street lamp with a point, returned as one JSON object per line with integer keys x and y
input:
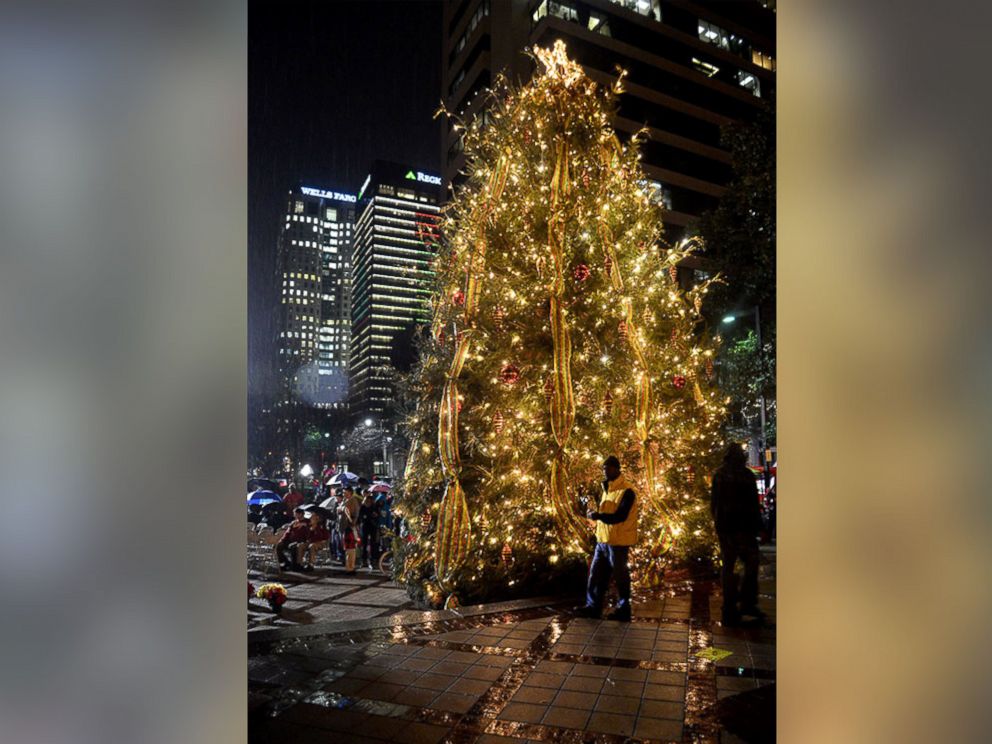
{"x": 384, "y": 439}
{"x": 764, "y": 442}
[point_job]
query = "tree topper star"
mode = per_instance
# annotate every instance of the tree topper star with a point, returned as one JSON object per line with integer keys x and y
{"x": 558, "y": 65}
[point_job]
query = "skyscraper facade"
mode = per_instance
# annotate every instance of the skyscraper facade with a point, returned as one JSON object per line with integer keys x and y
{"x": 692, "y": 67}
{"x": 313, "y": 323}
{"x": 392, "y": 256}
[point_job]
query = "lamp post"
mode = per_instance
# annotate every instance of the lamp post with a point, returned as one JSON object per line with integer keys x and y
{"x": 384, "y": 440}
{"x": 763, "y": 441}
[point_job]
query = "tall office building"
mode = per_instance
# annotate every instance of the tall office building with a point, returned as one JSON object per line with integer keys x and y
{"x": 396, "y": 223}
{"x": 692, "y": 66}
{"x": 313, "y": 323}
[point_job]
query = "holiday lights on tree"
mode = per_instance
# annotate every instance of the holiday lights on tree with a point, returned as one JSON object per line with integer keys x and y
{"x": 560, "y": 325}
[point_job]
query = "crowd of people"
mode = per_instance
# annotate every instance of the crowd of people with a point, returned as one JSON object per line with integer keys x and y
{"x": 354, "y": 524}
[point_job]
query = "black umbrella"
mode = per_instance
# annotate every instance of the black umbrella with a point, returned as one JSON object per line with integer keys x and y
{"x": 275, "y": 506}
{"x": 268, "y": 485}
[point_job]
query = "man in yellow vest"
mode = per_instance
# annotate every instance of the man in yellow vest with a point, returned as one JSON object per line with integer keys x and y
{"x": 616, "y": 531}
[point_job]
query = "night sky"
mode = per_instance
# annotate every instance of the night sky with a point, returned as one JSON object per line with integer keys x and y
{"x": 332, "y": 86}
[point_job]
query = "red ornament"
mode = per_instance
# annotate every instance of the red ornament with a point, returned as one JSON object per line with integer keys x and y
{"x": 642, "y": 246}
{"x": 622, "y": 330}
{"x": 498, "y": 422}
{"x": 549, "y": 389}
{"x": 441, "y": 337}
{"x": 608, "y": 402}
{"x": 506, "y": 554}
{"x": 509, "y": 375}
{"x": 527, "y": 136}
{"x": 459, "y": 405}
{"x": 581, "y": 273}
{"x": 678, "y": 381}
{"x": 458, "y": 298}
{"x": 673, "y": 273}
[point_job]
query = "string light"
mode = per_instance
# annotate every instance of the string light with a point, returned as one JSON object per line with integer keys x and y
{"x": 550, "y": 188}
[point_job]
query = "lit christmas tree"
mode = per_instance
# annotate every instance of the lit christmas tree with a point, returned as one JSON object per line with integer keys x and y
{"x": 560, "y": 336}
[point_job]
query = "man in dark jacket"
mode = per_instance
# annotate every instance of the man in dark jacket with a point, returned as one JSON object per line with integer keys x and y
{"x": 737, "y": 515}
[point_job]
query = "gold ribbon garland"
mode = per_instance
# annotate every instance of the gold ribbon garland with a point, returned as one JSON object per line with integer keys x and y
{"x": 454, "y": 526}
{"x": 562, "y": 401}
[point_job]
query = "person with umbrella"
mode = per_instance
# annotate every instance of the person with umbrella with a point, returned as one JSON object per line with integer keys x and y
{"x": 383, "y": 503}
{"x": 348, "y": 521}
{"x": 369, "y": 518}
{"x": 330, "y": 505}
{"x": 275, "y": 514}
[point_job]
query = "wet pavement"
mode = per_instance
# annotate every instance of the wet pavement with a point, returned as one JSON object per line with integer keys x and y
{"x": 329, "y": 594}
{"x": 523, "y": 671}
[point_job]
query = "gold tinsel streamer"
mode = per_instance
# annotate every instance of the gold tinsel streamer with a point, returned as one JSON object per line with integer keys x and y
{"x": 454, "y": 526}
{"x": 562, "y": 403}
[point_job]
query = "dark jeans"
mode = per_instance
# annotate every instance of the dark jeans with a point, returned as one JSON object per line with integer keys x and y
{"x": 370, "y": 544}
{"x": 744, "y": 546}
{"x": 607, "y": 561}
{"x": 283, "y": 548}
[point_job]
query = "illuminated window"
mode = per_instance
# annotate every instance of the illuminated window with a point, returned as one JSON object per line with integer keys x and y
{"x": 298, "y": 207}
{"x": 598, "y": 23}
{"x": 713, "y": 34}
{"x": 649, "y": 8}
{"x": 559, "y": 10}
{"x": 763, "y": 60}
{"x": 705, "y": 67}
{"x": 331, "y": 214}
{"x": 749, "y": 81}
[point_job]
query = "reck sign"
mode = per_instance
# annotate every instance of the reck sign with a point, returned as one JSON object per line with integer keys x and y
{"x": 424, "y": 178}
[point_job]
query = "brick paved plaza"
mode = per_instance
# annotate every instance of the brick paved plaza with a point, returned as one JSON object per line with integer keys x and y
{"x": 519, "y": 671}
